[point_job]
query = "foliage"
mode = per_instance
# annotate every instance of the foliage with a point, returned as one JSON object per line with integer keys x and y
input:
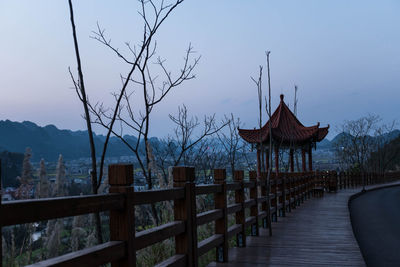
{"x": 386, "y": 157}
{"x": 363, "y": 140}
{"x": 60, "y": 186}
{"x": 43, "y": 187}
{"x": 11, "y": 166}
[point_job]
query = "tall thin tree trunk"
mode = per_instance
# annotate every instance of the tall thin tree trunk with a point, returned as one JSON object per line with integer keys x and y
{"x": 87, "y": 118}
{"x": 269, "y": 151}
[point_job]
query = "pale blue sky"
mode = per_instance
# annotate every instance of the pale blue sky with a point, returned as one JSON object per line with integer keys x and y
{"x": 343, "y": 55}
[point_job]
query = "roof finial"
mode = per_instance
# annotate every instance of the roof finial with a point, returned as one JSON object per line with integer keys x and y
{"x": 282, "y": 96}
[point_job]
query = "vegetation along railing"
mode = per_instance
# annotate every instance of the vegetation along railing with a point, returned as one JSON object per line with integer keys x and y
{"x": 288, "y": 190}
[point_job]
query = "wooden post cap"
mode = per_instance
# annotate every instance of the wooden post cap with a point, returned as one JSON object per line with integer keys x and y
{"x": 183, "y": 174}
{"x": 239, "y": 175}
{"x": 120, "y": 174}
{"x": 219, "y": 174}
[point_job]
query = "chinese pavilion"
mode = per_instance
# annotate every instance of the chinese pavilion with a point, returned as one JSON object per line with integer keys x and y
{"x": 287, "y": 132}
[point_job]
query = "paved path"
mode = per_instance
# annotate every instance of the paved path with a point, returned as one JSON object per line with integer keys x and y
{"x": 376, "y": 220}
{"x": 318, "y": 233}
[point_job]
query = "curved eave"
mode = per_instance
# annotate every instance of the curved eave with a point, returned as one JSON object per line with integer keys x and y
{"x": 322, "y": 133}
{"x": 297, "y": 136}
{"x": 251, "y": 136}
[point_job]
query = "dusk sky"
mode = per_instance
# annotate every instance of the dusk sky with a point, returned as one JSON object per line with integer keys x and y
{"x": 343, "y": 55}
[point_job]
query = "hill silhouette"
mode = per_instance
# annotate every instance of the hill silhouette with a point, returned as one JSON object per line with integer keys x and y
{"x": 48, "y": 142}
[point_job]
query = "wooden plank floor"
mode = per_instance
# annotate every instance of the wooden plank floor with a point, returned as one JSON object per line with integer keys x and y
{"x": 317, "y": 233}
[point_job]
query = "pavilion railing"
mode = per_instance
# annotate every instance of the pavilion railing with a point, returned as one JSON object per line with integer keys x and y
{"x": 288, "y": 191}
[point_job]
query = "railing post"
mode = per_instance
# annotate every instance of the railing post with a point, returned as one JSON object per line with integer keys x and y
{"x": 275, "y": 199}
{"x": 304, "y": 186}
{"x": 221, "y": 225}
{"x": 351, "y": 177}
{"x": 185, "y": 210}
{"x": 264, "y": 205}
{"x": 342, "y": 180}
{"x": 283, "y": 194}
{"x": 289, "y": 186}
{"x": 122, "y": 223}
{"x": 240, "y": 215}
{"x": 295, "y": 190}
{"x": 301, "y": 181}
{"x": 254, "y": 209}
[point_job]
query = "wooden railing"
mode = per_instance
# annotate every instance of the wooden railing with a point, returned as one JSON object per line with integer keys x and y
{"x": 288, "y": 190}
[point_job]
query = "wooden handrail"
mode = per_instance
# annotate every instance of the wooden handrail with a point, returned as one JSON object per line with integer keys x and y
{"x": 210, "y": 243}
{"x": 94, "y": 256}
{"x": 34, "y": 210}
{"x": 209, "y": 216}
{"x": 153, "y": 196}
{"x": 157, "y": 234}
{"x": 208, "y": 189}
{"x": 178, "y": 260}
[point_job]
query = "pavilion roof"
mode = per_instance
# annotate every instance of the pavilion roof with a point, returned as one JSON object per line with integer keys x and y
{"x": 286, "y": 129}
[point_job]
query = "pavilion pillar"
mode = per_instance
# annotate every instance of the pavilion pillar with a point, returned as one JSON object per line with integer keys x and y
{"x": 266, "y": 160}
{"x": 258, "y": 162}
{"x": 310, "y": 158}
{"x": 303, "y": 159}
{"x": 276, "y": 159}
{"x": 291, "y": 158}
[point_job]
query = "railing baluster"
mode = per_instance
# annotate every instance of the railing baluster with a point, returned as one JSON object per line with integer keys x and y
{"x": 221, "y": 225}
{"x": 185, "y": 210}
{"x": 264, "y": 205}
{"x": 122, "y": 223}
{"x": 283, "y": 178}
{"x": 254, "y": 209}
{"x": 275, "y": 199}
{"x": 240, "y": 215}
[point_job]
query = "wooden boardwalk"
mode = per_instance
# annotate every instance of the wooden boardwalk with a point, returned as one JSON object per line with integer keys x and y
{"x": 317, "y": 233}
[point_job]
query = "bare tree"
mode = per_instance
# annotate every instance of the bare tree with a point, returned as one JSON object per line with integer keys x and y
{"x": 83, "y": 97}
{"x": 269, "y": 112}
{"x": 141, "y": 76}
{"x": 383, "y": 154}
{"x": 206, "y": 156}
{"x": 258, "y": 83}
{"x": 296, "y": 100}
{"x": 153, "y": 17}
{"x": 356, "y": 142}
{"x": 189, "y": 143}
{"x": 185, "y": 132}
{"x": 231, "y": 141}
{"x": 247, "y": 157}
{"x": 212, "y": 158}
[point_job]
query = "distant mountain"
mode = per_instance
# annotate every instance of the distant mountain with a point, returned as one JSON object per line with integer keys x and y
{"x": 325, "y": 144}
{"x": 392, "y": 135}
{"x": 49, "y": 141}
